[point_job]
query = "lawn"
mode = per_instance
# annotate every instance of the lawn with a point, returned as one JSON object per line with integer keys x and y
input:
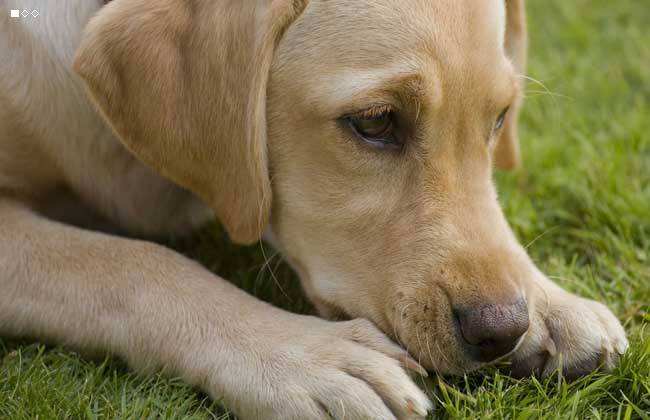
{"x": 581, "y": 202}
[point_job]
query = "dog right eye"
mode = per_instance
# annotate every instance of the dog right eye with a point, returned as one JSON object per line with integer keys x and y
{"x": 501, "y": 119}
{"x": 375, "y": 127}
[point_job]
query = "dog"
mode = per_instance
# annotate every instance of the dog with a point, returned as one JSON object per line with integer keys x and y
{"x": 356, "y": 137}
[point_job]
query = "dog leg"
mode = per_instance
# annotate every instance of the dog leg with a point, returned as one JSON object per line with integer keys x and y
{"x": 159, "y": 310}
{"x": 567, "y": 332}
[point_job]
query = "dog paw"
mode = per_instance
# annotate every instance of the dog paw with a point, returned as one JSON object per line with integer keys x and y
{"x": 571, "y": 334}
{"x": 318, "y": 369}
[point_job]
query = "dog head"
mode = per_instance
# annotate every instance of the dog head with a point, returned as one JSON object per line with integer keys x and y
{"x": 360, "y": 135}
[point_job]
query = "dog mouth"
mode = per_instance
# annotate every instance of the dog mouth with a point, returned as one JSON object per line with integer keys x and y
{"x": 428, "y": 332}
{"x": 432, "y": 332}
{"x": 447, "y": 353}
{"x": 442, "y": 353}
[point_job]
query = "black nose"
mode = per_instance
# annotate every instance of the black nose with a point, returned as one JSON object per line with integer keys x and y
{"x": 492, "y": 331}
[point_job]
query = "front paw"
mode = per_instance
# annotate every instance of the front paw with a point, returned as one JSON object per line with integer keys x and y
{"x": 315, "y": 369}
{"x": 571, "y": 334}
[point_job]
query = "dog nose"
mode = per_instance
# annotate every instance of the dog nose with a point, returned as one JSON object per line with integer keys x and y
{"x": 492, "y": 331}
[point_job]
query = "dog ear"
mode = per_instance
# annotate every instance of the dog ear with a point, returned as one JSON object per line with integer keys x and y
{"x": 183, "y": 85}
{"x": 506, "y": 154}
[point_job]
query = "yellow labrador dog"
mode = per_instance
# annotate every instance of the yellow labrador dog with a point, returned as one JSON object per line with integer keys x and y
{"x": 357, "y": 136}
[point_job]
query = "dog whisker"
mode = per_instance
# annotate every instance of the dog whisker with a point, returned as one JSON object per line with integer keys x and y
{"x": 445, "y": 359}
{"x": 401, "y": 321}
{"x": 545, "y": 93}
{"x": 545, "y": 89}
{"x": 266, "y": 265}
{"x": 395, "y": 328}
{"x": 540, "y": 83}
{"x": 417, "y": 336}
{"x": 428, "y": 348}
{"x": 540, "y": 236}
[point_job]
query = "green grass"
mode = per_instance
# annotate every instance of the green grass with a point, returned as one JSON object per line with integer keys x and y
{"x": 581, "y": 202}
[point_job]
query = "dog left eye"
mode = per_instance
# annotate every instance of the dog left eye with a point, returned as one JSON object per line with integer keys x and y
{"x": 376, "y": 128}
{"x": 501, "y": 119}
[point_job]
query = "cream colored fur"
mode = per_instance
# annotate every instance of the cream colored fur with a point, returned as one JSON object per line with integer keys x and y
{"x": 162, "y": 113}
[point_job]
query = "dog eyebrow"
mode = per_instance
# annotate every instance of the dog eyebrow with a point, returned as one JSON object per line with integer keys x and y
{"x": 355, "y": 90}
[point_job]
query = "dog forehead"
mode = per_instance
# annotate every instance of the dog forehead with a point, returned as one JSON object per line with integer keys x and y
{"x": 370, "y": 27}
{"x": 342, "y": 37}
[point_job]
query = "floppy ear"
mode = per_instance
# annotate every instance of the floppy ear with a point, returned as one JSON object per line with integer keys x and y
{"x": 183, "y": 85}
{"x": 506, "y": 154}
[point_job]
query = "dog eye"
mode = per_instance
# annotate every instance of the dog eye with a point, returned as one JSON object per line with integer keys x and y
{"x": 501, "y": 119}
{"x": 376, "y": 128}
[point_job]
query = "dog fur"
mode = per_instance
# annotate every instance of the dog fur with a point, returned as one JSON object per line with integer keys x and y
{"x": 143, "y": 118}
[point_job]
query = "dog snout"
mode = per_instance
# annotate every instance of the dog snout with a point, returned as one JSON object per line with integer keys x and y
{"x": 493, "y": 330}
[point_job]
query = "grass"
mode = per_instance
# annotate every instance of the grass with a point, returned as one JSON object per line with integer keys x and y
{"x": 581, "y": 202}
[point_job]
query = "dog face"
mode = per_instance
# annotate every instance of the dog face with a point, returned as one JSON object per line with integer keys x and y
{"x": 364, "y": 129}
{"x": 382, "y": 123}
